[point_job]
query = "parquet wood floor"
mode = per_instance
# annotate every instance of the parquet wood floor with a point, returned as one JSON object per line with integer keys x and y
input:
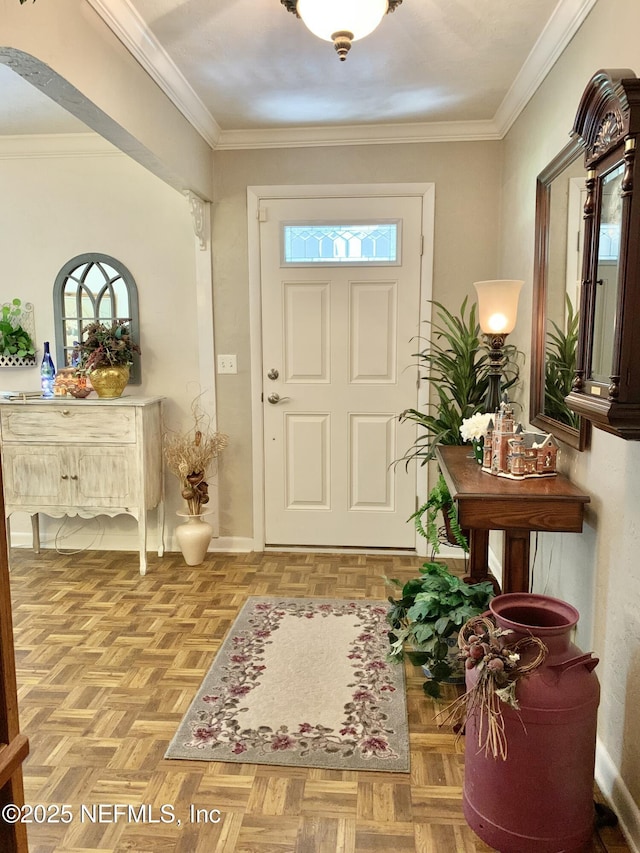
{"x": 108, "y": 663}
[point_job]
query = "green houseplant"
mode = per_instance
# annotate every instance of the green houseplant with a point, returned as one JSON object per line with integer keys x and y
{"x": 15, "y": 341}
{"x": 560, "y": 368}
{"x": 426, "y": 517}
{"x": 456, "y": 365}
{"x": 455, "y": 362}
{"x": 427, "y": 616}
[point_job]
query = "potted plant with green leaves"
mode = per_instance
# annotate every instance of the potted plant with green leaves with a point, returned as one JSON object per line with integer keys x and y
{"x": 15, "y": 340}
{"x": 456, "y": 364}
{"x": 424, "y": 621}
{"x": 426, "y": 517}
{"x": 560, "y": 367}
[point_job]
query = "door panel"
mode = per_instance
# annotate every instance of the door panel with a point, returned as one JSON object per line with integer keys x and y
{"x": 306, "y": 332}
{"x": 340, "y": 337}
{"x": 373, "y": 308}
{"x": 371, "y": 442}
{"x": 307, "y": 463}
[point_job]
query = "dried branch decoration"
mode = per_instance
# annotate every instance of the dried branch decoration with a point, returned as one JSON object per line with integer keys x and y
{"x": 499, "y": 670}
{"x": 189, "y": 455}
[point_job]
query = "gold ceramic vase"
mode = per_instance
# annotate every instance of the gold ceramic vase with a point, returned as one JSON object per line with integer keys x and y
{"x": 110, "y": 382}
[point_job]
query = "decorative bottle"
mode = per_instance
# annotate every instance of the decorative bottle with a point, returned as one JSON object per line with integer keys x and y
{"x": 47, "y": 373}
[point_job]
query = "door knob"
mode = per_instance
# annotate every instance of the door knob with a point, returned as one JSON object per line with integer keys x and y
{"x": 273, "y": 373}
{"x": 274, "y": 398}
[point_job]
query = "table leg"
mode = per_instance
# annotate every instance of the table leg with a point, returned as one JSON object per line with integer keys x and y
{"x": 35, "y": 532}
{"x": 515, "y": 562}
{"x": 142, "y": 539}
{"x": 160, "y": 523}
{"x": 478, "y": 556}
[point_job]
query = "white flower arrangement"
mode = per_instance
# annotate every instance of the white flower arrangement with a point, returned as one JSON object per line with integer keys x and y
{"x": 475, "y": 427}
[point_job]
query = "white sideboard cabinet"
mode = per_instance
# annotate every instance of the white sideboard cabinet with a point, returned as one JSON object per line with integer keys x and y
{"x": 85, "y": 458}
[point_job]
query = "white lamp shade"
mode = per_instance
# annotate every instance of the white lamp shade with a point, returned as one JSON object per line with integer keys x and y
{"x": 498, "y": 305}
{"x": 326, "y": 17}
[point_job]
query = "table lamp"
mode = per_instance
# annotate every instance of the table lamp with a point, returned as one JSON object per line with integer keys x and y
{"x": 497, "y": 312}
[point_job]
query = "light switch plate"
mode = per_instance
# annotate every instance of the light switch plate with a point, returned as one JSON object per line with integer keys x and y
{"x": 227, "y": 364}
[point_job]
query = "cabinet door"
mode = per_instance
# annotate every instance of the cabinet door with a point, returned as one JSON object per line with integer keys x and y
{"x": 56, "y": 476}
{"x": 104, "y": 476}
{"x": 34, "y": 475}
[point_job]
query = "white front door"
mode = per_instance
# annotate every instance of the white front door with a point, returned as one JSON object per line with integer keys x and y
{"x": 338, "y": 336}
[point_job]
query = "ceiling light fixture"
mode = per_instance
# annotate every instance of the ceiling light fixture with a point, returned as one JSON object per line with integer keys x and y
{"x": 341, "y": 21}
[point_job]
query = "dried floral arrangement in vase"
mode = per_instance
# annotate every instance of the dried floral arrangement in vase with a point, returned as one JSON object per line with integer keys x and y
{"x": 105, "y": 354}
{"x": 190, "y": 455}
{"x": 106, "y": 346}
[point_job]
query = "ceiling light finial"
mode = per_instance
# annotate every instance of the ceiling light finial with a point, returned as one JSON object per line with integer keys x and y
{"x": 341, "y": 21}
{"x": 342, "y": 43}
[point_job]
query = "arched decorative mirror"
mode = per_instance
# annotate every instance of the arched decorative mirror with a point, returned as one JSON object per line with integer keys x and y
{"x": 606, "y": 389}
{"x": 560, "y": 199}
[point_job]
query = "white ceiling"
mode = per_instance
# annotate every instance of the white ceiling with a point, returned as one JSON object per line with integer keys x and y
{"x": 248, "y": 73}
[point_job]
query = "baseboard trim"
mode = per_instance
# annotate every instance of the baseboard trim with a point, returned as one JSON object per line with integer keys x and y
{"x": 103, "y": 541}
{"x": 447, "y": 552}
{"x": 223, "y": 544}
{"x": 614, "y": 789}
{"x": 232, "y": 544}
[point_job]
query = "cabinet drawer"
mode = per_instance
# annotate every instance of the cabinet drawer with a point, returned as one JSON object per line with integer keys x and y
{"x": 73, "y": 424}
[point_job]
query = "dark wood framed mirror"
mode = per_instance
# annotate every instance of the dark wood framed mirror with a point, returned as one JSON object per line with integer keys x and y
{"x": 606, "y": 389}
{"x": 560, "y": 198}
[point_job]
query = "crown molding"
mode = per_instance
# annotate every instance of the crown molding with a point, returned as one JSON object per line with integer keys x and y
{"x": 74, "y": 145}
{"x": 364, "y": 134}
{"x": 561, "y": 27}
{"x": 130, "y": 28}
{"x": 121, "y": 17}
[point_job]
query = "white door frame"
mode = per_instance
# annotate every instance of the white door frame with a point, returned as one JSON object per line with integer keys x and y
{"x": 255, "y": 194}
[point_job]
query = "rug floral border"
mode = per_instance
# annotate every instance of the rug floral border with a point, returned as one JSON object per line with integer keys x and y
{"x": 374, "y": 731}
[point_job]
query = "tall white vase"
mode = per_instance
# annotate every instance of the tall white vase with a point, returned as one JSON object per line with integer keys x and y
{"x": 193, "y": 538}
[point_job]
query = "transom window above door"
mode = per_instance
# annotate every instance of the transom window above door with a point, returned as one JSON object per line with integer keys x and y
{"x": 89, "y": 288}
{"x": 376, "y": 243}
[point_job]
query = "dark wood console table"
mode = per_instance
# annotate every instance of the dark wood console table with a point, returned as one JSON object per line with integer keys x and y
{"x": 486, "y": 502}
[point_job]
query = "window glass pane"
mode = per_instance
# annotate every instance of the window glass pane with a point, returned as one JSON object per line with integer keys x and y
{"x": 109, "y": 271}
{"x": 70, "y": 338}
{"x": 375, "y": 243}
{"x": 120, "y": 297}
{"x": 107, "y": 308}
{"x": 609, "y": 244}
{"x": 70, "y": 301}
{"x": 80, "y": 271}
{"x": 94, "y": 278}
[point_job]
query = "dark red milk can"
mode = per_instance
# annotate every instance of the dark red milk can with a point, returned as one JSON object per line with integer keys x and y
{"x": 539, "y": 798}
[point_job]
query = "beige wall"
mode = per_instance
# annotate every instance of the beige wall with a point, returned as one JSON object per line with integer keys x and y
{"x": 599, "y": 571}
{"x": 467, "y": 181}
{"x": 66, "y": 49}
{"x": 62, "y": 206}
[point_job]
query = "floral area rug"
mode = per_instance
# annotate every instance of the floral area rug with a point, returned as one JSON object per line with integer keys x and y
{"x": 302, "y": 682}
